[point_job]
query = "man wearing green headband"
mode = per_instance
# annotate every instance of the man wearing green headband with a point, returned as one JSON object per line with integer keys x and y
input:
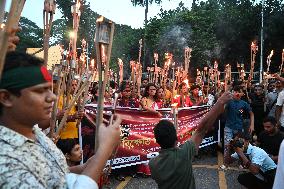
{"x": 29, "y": 159}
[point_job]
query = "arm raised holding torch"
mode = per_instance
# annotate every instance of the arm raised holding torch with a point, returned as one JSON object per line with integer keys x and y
{"x": 103, "y": 42}
{"x": 253, "y": 50}
{"x": 265, "y": 81}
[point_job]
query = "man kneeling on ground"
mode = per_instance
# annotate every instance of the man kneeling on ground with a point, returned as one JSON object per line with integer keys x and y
{"x": 172, "y": 168}
{"x": 261, "y": 167}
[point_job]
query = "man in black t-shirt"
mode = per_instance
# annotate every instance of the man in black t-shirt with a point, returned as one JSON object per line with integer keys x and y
{"x": 271, "y": 138}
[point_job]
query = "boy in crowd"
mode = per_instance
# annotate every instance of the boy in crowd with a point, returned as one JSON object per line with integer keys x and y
{"x": 28, "y": 158}
{"x": 235, "y": 110}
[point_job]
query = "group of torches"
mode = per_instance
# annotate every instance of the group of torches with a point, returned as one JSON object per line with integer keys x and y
{"x": 72, "y": 67}
{"x": 161, "y": 75}
{"x": 156, "y": 74}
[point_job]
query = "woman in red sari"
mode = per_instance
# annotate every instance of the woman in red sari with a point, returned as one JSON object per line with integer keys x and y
{"x": 148, "y": 103}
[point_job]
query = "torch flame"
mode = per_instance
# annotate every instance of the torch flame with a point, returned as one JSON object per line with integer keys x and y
{"x": 103, "y": 50}
{"x": 72, "y": 34}
{"x": 120, "y": 61}
{"x": 174, "y": 105}
{"x": 93, "y": 63}
{"x": 2, "y": 26}
{"x": 100, "y": 19}
{"x": 78, "y": 4}
{"x": 186, "y": 82}
{"x": 271, "y": 54}
{"x": 215, "y": 64}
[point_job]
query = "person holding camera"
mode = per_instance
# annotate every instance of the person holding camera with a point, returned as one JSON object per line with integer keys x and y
{"x": 261, "y": 167}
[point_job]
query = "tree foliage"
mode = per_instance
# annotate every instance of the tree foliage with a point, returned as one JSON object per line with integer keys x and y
{"x": 218, "y": 30}
{"x": 30, "y": 35}
{"x": 145, "y": 2}
{"x": 125, "y": 43}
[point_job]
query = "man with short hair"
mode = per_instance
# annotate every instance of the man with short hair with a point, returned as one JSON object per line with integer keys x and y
{"x": 235, "y": 110}
{"x": 279, "y": 111}
{"x": 270, "y": 139}
{"x": 272, "y": 98}
{"x": 172, "y": 168}
{"x": 261, "y": 167}
{"x": 28, "y": 158}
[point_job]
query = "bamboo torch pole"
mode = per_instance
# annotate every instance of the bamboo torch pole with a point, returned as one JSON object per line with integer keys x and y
{"x": 12, "y": 21}
{"x": 2, "y": 10}
{"x": 120, "y": 64}
{"x": 281, "y": 67}
{"x": 48, "y": 12}
{"x": 103, "y": 42}
{"x": 2, "y": 15}
{"x": 140, "y": 50}
{"x": 266, "y": 79}
{"x": 156, "y": 73}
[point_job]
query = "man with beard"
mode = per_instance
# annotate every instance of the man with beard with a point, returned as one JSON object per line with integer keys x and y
{"x": 270, "y": 139}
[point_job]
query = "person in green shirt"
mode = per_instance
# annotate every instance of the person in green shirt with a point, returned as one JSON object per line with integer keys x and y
{"x": 172, "y": 168}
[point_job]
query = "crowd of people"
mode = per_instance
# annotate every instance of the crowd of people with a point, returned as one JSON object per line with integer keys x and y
{"x": 252, "y": 120}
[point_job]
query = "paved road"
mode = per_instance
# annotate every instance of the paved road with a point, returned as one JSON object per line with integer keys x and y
{"x": 206, "y": 171}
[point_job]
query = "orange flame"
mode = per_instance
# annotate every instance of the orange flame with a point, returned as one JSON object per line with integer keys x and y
{"x": 93, "y": 63}
{"x": 271, "y": 54}
{"x": 186, "y": 82}
{"x": 100, "y": 19}
{"x": 174, "y": 105}
{"x": 2, "y": 26}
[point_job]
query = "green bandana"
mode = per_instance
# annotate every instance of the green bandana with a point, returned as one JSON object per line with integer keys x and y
{"x": 24, "y": 77}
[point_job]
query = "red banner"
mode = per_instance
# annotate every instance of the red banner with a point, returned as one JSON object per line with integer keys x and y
{"x": 140, "y": 146}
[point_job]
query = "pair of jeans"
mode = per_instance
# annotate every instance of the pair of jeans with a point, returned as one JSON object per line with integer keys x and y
{"x": 228, "y": 136}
